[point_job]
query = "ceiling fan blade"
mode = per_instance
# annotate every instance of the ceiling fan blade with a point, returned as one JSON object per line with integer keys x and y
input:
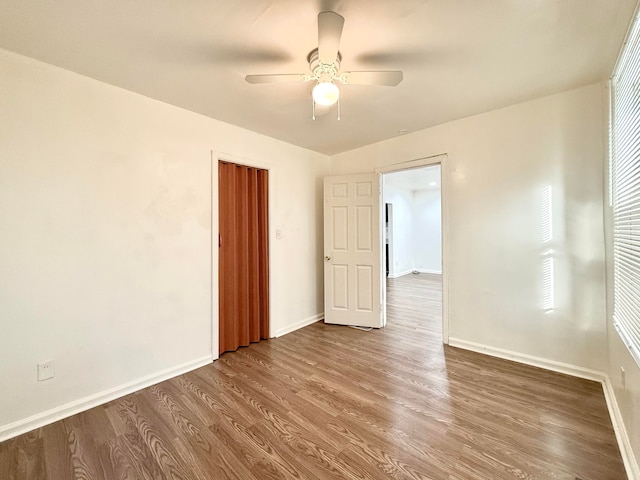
{"x": 286, "y": 78}
{"x": 329, "y": 33}
{"x": 389, "y": 79}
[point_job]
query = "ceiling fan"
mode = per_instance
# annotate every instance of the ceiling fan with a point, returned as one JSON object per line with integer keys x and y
{"x": 324, "y": 63}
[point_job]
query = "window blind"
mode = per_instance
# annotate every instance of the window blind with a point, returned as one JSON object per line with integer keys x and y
{"x": 625, "y": 191}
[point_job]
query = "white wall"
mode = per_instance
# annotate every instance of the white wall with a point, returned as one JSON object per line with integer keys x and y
{"x": 498, "y": 164}
{"x": 416, "y": 229}
{"x": 427, "y": 231}
{"x": 106, "y": 209}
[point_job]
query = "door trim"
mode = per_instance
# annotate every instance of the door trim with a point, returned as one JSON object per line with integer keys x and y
{"x": 443, "y": 160}
{"x": 217, "y": 155}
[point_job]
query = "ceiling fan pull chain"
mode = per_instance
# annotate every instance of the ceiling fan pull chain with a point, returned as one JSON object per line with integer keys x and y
{"x": 338, "y": 108}
{"x": 313, "y": 109}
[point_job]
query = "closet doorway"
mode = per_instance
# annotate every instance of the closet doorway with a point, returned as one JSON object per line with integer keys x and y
{"x": 243, "y": 255}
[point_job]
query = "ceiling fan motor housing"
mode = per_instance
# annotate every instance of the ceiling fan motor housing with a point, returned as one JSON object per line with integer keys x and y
{"x": 321, "y": 71}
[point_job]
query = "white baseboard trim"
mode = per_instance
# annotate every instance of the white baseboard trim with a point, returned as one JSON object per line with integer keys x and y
{"x": 400, "y": 274}
{"x": 63, "y": 411}
{"x": 628, "y": 457}
{"x": 298, "y": 325}
{"x": 552, "y": 365}
{"x": 419, "y": 270}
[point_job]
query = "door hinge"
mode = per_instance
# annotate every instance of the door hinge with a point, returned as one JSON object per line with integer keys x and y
{"x": 219, "y": 240}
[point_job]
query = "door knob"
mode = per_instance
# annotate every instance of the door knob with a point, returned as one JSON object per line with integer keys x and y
{"x": 327, "y": 258}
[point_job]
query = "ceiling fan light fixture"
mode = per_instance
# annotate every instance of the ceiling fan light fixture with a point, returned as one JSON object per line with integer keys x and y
{"x": 324, "y": 63}
{"x": 325, "y": 93}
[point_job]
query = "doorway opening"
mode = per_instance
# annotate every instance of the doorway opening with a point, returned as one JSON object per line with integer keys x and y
{"x": 412, "y": 234}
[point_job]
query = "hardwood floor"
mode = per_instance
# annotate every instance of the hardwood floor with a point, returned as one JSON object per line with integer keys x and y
{"x": 330, "y": 402}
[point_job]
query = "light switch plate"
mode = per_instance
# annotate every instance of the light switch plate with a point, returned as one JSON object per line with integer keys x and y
{"x": 45, "y": 370}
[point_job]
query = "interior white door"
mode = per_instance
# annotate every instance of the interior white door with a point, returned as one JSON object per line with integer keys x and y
{"x": 352, "y": 249}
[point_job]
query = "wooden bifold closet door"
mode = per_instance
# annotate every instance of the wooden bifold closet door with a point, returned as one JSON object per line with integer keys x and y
{"x": 244, "y": 255}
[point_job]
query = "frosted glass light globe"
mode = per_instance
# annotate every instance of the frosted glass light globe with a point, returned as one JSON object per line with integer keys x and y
{"x": 325, "y": 93}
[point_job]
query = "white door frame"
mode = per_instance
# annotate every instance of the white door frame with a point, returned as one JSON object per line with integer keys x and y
{"x": 217, "y": 156}
{"x": 443, "y": 161}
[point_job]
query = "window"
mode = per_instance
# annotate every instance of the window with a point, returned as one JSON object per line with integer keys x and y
{"x": 625, "y": 191}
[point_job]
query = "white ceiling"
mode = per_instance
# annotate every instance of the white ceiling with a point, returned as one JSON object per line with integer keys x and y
{"x": 459, "y": 57}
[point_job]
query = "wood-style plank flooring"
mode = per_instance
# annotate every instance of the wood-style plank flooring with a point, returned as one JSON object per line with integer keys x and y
{"x": 331, "y": 402}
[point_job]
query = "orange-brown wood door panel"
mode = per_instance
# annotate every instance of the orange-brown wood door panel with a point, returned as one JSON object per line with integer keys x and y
{"x": 244, "y": 255}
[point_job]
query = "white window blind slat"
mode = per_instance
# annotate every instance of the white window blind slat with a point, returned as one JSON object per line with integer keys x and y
{"x": 628, "y": 273}
{"x": 622, "y": 110}
{"x": 631, "y": 170}
{"x": 625, "y": 191}
{"x": 631, "y": 155}
{"x": 626, "y": 253}
{"x": 630, "y": 220}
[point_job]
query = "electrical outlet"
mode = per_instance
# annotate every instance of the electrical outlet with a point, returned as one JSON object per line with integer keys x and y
{"x": 45, "y": 370}
{"x": 623, "y": 377}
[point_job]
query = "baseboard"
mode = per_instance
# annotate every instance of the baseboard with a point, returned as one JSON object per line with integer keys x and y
{"x": 419, "y": 270}
{"x": 552, "y": 365}
{"x": 628, "y": 457}
{"x": 63, "y": 411}
{"x": 400, "y": 274}
{"x": 301, "y": 324}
